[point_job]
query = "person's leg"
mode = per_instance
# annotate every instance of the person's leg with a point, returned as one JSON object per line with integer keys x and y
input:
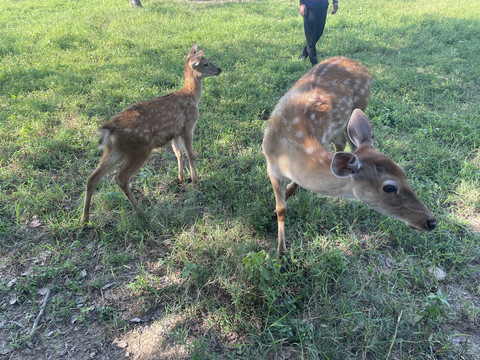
{"x": 310, "y": 29}
{"x": 314, "y": 24}
{"x": 304, "y": 53}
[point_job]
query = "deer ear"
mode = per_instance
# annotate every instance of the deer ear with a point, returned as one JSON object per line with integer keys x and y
{"x": 345, "y": 164}
{"x": 193, "y": 50}
{"x": 359, "y": 129}
{"x": 196, "y": 58}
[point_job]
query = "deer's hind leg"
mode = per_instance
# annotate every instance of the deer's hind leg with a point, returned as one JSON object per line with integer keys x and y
{"x": 187, "y": 139}
{"x": 340, "y": 141}
{"x": 122, "y": 178}
{"x": 280, "y": 208}
{"x": 109, "y": 159}
{"x": 290, "y": 190}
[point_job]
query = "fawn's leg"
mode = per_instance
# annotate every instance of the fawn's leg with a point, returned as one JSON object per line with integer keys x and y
{"x": 280, "y": 209}
{"x": 108, "y": 160}
{"x": 340, "y": 141}
{"x": 188, "y": 142}
{"x": 291, "y": 188}
{"x": 177, "y": 145}
{"x": 123, "y": 177}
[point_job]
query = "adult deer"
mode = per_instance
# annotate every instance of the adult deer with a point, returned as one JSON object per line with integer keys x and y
{"x": 132, "y": 134}
{"x": 313, "y": 114}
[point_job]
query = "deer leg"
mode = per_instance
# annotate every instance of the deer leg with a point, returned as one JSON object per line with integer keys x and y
{"x": 92, "y": 183}
{"x": 108, "y": 160}
{"x": 291, "y": 188}
{"x": 188, "y": 142}
{"x": 340, "y": 141}
{"x": 177, "y": 145}
{"x": 123, "y": 177}
{"x": 280, "y": 209}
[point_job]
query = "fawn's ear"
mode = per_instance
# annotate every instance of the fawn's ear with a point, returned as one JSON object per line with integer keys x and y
{"x": 196, "y": 58}
{"x": 359, "y": 129}
{"x": 345, "y": 164}
{"x": 193, "y": 50}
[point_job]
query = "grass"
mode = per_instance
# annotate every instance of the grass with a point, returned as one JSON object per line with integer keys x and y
{"x": 200, "y": 275}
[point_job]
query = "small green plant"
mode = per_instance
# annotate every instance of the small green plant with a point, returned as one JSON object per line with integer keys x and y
{"x": 146, "y": 286}
{"x": 261, "y": 267}
{"x": 107, "y": 313}
{"x": 118, "y": 259}
{"x": 264, "y": 272}
{"x": 84, "y": 315}
{"x": 190, "y": 270}
{"x": 199, "y": 350}
{"x": 144, "y": 282}
{"x": 433, "y": 311}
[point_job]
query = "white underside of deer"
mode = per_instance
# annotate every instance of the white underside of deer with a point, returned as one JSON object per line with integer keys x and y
{"x": 325, "y": 106}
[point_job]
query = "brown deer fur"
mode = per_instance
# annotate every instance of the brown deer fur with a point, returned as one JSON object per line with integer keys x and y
{"x": 314, "y": 113}
{"x": 132, "y": 134}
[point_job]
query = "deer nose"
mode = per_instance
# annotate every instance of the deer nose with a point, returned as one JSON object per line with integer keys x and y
{"x": 431, "y": 224}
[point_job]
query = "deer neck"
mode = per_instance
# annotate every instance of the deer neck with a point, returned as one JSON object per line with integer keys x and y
{"x": 192, "y": 86}
{"x": 311, "y": 169}
{"x": 320, "y": 179}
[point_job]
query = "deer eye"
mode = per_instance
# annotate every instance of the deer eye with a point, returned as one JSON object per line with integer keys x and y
{"x": 206, "y": 64}
{"x": 389, "y": 188}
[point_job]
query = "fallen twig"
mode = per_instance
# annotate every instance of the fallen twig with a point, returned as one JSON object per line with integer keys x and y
{"x": 40, "y": 314}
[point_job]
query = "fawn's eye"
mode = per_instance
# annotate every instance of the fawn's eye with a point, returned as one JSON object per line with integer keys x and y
{"x": 389, "y": 188}
{"x": 206, "y": 64}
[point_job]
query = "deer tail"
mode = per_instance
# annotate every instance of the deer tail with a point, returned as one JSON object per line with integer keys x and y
{"x": 104, "y": 133}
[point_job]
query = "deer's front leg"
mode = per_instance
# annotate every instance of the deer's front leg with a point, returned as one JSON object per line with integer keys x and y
{"x": 177, "y": 146}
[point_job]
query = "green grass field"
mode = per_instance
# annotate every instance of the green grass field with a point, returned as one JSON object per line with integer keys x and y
{"x": 200, "y": 277}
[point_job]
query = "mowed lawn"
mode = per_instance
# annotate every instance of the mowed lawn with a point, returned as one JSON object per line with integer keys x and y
{"x": 199, "y": 276}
